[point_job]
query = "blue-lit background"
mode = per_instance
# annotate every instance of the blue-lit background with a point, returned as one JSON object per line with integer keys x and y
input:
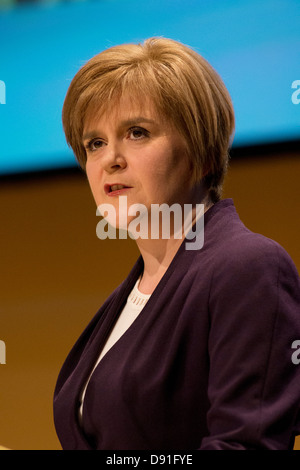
{"x": 253, "y": 44}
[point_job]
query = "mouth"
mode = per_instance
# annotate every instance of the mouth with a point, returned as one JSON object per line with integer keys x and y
{"x": 115, "y": 189}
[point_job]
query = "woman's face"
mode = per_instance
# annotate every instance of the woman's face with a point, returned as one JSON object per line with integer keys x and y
{"x": 133, "y": 152}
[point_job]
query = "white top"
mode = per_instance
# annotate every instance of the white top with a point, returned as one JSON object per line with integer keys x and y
{"x": 134, "y": 305}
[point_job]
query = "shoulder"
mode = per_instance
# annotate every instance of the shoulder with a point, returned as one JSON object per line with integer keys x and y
{"x": 232, "y": 247}
{"x": 234, "y": 261}
{"x": 253, "y": 266}
{"x": 254, "y": 280}
{"x": 254, "y": 255}
{"x": 247, "y": 249}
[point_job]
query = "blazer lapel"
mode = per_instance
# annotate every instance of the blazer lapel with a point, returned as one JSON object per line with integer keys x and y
{"x": 74, "y": 372}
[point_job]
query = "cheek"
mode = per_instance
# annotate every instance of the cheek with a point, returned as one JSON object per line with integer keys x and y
{"x": 158, "y": 162}
{"x": 169, "y": 165}
{"x": 154, "y": 178}
{"x": 88, "y": 171}
{"x": 90, "y": 177}
{"x": 93, "y": 181}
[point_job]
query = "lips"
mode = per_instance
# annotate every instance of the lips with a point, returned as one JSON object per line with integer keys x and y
{"x": 115, "y": 188}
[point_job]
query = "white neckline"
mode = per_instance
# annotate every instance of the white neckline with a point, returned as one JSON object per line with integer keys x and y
{"x": 136, "y": 298}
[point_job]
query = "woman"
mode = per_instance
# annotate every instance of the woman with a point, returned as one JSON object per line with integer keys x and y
{"x": 193, "y": 349}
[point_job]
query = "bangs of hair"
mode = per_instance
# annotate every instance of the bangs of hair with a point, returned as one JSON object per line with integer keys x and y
{"x": 101, "y": 95}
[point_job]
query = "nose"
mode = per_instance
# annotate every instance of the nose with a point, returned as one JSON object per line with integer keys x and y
{"x": 113, "y": 158}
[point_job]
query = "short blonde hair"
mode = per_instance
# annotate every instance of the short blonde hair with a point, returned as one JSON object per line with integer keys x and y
{"x": 182, "y": 86}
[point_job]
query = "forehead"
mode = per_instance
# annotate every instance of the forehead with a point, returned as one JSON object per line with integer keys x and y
{"x": 116, "y": 107}
{"x": 124, "y": 109}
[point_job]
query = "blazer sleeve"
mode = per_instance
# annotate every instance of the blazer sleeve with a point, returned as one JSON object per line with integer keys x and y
{"x": 253, "y": 387}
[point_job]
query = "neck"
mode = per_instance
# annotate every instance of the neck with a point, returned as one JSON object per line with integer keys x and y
{"x": 158, "y": 254}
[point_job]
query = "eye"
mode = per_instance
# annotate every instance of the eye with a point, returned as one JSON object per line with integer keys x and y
{"x": 137, "y": 133}
{"x": 94, "y": 144}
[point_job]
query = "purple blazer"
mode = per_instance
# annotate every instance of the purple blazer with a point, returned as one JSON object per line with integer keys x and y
{"x": 206, "y": 365}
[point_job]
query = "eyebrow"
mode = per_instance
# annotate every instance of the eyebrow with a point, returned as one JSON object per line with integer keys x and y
{"x": 125, "y": 123}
